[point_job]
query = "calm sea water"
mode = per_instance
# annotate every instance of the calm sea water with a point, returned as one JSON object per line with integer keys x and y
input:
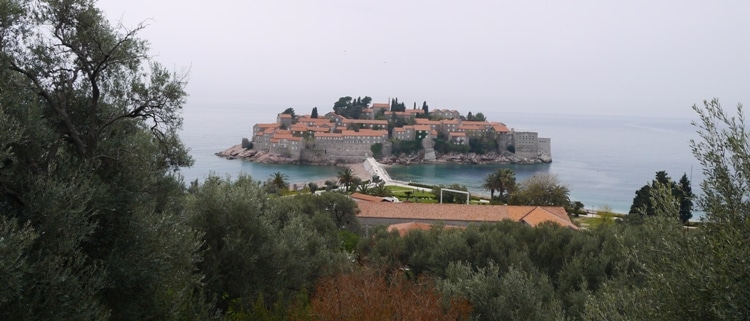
{"x": 603, "y": 160}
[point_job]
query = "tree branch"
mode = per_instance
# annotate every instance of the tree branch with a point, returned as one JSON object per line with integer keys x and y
{"x": 74, "y": 135}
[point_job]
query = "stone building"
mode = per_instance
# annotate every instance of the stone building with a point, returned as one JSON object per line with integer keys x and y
{"x": 337, "y": 138}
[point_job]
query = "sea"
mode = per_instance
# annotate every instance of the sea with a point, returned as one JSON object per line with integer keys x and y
{"x": 602, "y": 159}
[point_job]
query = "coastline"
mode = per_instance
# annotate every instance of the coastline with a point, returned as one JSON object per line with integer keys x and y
{"x": 357, "y": 168}
{"x": 253, "y": 155}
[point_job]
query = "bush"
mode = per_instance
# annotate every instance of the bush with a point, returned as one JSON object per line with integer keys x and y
{"x": 247, "y": 144}
{"x": 406, "y": 146}
{"x": 377, "y": 150}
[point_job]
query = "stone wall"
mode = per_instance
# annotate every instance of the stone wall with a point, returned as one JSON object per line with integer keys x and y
{"x": 545, "y": 146}
{"x": 526, "y": 144}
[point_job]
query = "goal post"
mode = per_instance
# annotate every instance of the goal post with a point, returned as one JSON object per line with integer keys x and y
{"x": 468, "y": 195}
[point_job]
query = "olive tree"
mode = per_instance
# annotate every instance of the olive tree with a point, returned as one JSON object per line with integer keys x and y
{"x": 676, "y": 274}
{"x": 87, "y": 168}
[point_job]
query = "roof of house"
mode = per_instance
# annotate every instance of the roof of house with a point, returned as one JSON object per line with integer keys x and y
{"x": 532, "y": 215}
{"x": 475, "y": 123}
{"x": 368, "y": 198}
{"x": 313, "y": 120}
{"x": 366, "y": 121}
{"x": 500, "y": 128}
{"x": 423, "y": 121}
{"x": 266, "y": 125}
{"x": 381, "y": 105}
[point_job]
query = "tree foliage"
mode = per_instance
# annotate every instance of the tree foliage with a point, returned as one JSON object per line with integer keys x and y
{"x": 346, "y": 177}
{"x": 502, "y": 180}
{"x": 696, "y": 275}
{"x": 277, "y": 183}
{"x": 681, "y": 192}
{"x": 541, "y": 190}
{"x": 487, "y": 264}
{"x": 89, "y": 146}
{"x": 350, "y": 107}
{"x": 289, "y": 111}
{"x": 477, "y": 117}
{"x": 397, "y": 106}
{"x": 255, "y": 246}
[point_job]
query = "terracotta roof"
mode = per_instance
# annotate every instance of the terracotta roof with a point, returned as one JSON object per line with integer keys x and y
{"x": 541, "y": 214}
{"x": 422, "y": 127}
{"x": 285, "y": 116}
{"x": 423, "y": 121}
{"x": 532, "y": 215}
{"x": 381, "y": 105}
{"x": 501, "y": 128}
{"x": 365, "y": 197}
{"x": 313, "y": 120}
{"x": 475, "y": 123}
{"x": 457, "y": 134}
{"x": 305, "y": 127}
{"x": 470, "y": 127}
{"x": 436, "y": 212}
{"x": 299, "y": 127}
{"x": 366, "y": 121}
{"x": 284, "y": 135}
{"x": 266, "y": 125}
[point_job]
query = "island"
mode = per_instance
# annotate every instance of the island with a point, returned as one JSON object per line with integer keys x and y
{"x": 391, "y": 133}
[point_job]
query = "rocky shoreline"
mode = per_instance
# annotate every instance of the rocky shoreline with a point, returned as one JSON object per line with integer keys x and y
{"x": 465, "y": 158}
{"x": 252, "y": 155}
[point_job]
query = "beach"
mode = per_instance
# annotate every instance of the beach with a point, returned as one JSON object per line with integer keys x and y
{"x": 357, "y": 168}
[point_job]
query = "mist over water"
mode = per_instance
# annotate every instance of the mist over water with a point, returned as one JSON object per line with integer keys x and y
{"x": 603, "y": 160}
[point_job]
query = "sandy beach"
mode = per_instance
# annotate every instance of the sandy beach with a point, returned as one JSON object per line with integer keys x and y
{"x": 358, "y": 169}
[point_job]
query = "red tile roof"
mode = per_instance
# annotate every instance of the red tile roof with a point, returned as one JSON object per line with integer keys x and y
{"x": 532, "y": 215}
{"x": 365, "y": 197}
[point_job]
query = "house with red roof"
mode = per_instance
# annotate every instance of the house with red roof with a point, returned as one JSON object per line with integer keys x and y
{"x": 376, "y": 213}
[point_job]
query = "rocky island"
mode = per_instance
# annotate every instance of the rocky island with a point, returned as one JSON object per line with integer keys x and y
{"x": 356, "y": 129}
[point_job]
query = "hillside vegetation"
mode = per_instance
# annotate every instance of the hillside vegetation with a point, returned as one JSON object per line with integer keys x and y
{"x": 96, "y": 223}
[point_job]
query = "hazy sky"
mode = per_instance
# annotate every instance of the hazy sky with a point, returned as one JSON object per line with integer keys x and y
{"x": 648, "y": 58}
